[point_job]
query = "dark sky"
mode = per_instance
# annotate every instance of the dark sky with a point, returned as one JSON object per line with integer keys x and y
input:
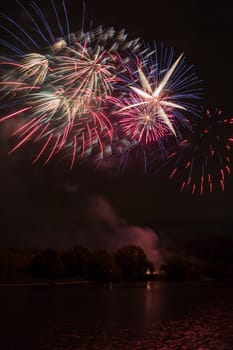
{"x": 36, "y": 198}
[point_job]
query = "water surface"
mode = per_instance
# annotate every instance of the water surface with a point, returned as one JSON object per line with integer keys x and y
{"x": 153, "y": 315}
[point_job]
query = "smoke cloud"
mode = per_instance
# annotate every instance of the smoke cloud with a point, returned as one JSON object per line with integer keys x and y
{"x": 105, "y": 229}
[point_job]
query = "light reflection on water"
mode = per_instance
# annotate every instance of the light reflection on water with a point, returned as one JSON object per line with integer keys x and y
{"x": 162, "y": 316}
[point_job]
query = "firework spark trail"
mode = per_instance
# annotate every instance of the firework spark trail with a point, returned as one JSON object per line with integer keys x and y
{"x": 203, "y": 160}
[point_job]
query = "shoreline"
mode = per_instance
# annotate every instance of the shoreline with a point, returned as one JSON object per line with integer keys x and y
{"x": 43, "y": 283}
{"x": 48, "y": 283}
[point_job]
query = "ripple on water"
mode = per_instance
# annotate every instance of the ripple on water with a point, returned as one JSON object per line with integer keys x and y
{"x": 205, "y": 329}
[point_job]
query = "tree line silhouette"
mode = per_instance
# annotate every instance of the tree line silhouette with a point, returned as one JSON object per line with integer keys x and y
{"x": 181, "y": 260}
{"x": 128, "y": 263}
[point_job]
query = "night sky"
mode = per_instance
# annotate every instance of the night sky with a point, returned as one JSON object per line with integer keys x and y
{"x": 42, "y": 205}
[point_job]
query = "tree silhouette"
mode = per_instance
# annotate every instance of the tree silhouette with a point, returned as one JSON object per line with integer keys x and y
{"x": 133, "y": 262}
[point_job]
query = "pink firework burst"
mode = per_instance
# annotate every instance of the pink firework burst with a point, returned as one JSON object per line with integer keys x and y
{"x": 159, "y": 92}
{"x": 203, "y": 160}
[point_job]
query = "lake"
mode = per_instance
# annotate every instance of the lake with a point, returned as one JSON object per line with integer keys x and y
{"x": 152, "y": 315}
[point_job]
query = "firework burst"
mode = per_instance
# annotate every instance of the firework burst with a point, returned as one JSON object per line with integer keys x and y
{"x": 59, "y": 86}
{"x": 203, "y": 159}
{"x": 160, "y": 93}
